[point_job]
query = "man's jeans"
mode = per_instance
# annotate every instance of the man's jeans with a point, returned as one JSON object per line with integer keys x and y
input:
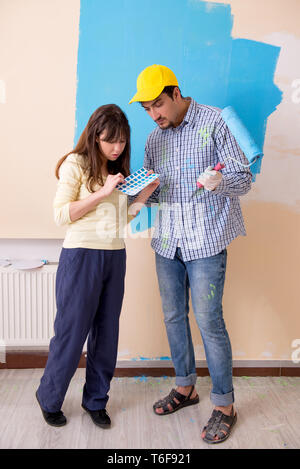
{"x": 206, "y": 279}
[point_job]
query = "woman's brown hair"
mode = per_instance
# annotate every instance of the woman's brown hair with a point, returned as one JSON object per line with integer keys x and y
{"x": 111, "y": 120}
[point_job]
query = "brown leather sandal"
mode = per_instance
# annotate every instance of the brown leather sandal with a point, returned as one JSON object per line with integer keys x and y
{"x": 184, "y": 401}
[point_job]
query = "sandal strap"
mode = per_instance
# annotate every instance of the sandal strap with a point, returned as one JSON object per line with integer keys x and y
{"x": 181, "y": 397}
{"x": 165, "y": 408}
{"x": 191, "y": 392}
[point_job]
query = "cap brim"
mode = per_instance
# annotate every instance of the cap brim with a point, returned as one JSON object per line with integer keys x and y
{"x": 133, "y": 100}
{"x": 142, "y": 96}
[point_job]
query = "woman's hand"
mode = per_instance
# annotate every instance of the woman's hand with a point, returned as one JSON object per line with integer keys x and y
{"x": 111, "y": 182}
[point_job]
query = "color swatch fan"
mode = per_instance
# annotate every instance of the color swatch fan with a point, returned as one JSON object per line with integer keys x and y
{"x": 136, "y": 182}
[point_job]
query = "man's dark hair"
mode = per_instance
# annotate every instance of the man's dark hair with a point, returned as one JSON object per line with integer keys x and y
{"x": 169, "y": 91}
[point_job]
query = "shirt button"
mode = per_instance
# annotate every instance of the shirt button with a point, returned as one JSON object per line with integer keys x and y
{"x": 177, "y": 185}
{"x": 177, "y": 167}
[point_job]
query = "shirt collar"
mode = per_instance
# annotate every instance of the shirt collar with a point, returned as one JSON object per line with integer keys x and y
{"x": 191, "y": 112}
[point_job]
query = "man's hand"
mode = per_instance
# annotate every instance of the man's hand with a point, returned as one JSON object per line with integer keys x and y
{"x": 152, "y": 186}
{"x": 210, "y": 179}
{"x": 143, "y": 196}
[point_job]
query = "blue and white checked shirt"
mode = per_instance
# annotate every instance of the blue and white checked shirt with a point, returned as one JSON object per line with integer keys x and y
{"x": 201, "y": 222}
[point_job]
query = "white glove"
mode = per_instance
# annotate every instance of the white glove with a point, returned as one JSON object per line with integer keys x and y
{"x": 210, "y": 179}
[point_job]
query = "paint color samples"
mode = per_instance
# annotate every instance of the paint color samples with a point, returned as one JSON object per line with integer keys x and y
{"x": 136, "y": 182}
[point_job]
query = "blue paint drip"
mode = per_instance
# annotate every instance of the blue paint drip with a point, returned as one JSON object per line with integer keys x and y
{"x": 210, "y": 65}
{"x": 149, "y": 358}
{"x": 142, "y": 378}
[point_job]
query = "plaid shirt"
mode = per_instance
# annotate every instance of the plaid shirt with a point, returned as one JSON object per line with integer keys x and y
{"x": 201, "y": 222}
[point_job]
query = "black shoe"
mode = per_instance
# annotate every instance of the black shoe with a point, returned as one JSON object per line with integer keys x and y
{"x": 99, "y": 417}
{"x": 56, "y": 419}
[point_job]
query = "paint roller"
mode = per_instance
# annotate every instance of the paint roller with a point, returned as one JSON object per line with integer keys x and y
{"x": 243, "y": 137}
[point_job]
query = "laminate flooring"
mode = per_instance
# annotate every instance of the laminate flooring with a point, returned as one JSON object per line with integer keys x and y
{"x": 268, "y": 410}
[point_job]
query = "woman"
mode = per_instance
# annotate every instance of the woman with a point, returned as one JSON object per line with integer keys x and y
{"x": 92, "y": 264}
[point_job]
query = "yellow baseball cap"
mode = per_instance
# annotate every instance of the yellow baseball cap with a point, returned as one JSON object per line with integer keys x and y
{"x": 151, "y": 81}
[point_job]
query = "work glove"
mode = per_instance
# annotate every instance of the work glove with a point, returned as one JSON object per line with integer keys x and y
{"x": 210, "y": 179}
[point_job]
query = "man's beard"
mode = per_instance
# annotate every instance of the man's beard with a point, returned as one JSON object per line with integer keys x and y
{"x": 168, "y": 126}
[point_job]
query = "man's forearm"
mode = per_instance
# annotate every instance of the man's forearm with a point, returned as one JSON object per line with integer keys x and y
{"x": 234, "y": 185}
{"x": 139, "y": 202}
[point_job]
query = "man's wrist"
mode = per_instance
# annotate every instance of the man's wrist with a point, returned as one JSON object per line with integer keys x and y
{"x": 220, "y": 187}
{"x": 143, "y": 196}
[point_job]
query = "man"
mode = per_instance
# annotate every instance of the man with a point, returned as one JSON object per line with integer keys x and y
{"x": 192, "y": 230}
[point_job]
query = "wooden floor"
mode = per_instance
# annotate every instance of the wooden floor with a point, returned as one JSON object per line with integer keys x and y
{"x": 268, "y": 410}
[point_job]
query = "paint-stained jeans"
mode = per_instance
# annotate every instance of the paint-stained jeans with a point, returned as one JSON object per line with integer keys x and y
{"x": 205, "y": 277}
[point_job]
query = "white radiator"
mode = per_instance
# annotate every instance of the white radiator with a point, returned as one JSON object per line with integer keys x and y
{"x": 27, "y": 306}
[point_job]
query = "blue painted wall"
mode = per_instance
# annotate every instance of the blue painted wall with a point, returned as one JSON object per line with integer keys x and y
{"x": 119, "y": 38}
